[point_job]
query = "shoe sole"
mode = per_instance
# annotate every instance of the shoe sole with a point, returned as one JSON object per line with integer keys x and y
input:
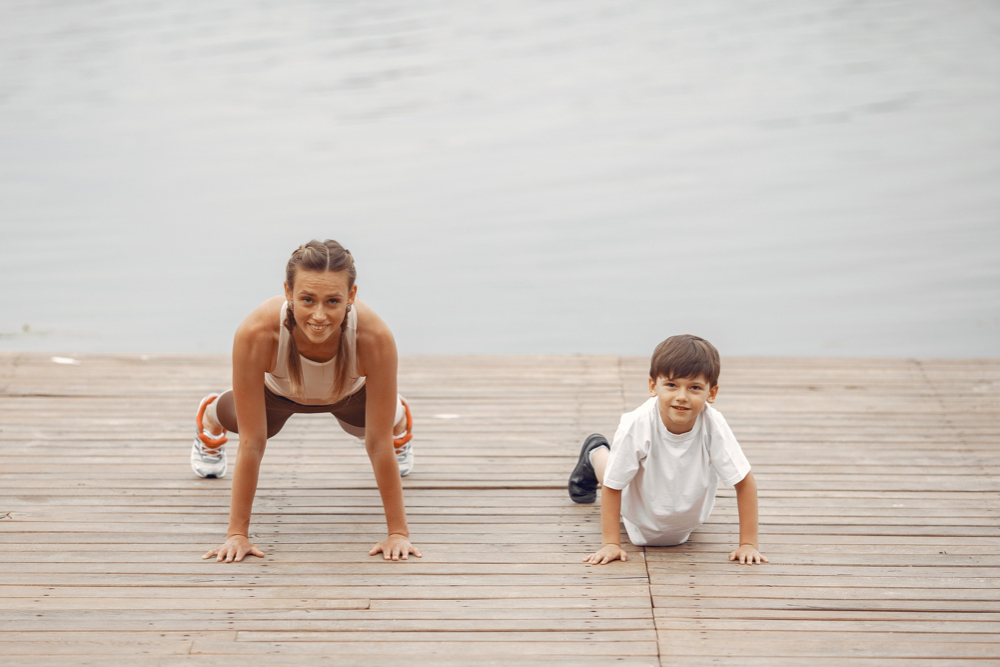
{"x": 584, "y": 460}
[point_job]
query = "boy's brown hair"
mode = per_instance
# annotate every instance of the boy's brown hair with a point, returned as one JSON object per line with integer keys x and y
{"x": 685, "y": 356}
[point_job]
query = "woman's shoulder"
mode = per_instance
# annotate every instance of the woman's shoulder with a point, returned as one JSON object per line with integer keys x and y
{"x": 261, "y": 327}
{"x": 265, "y": 317}
{"x": 371, "y": 327}
{"x": 375, "y": 342}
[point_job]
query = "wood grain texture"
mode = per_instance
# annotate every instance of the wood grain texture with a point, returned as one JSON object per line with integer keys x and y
{"x": 879, "y": 502}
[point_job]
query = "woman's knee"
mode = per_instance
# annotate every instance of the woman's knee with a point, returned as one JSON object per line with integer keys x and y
{"x": 225, "y": 411}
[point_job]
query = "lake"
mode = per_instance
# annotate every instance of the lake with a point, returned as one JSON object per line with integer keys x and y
{"x": 551, "y": 177}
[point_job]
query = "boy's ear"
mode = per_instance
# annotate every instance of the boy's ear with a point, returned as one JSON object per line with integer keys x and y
{"x": 652, "y": 387}
{"x": 712, "y": 392}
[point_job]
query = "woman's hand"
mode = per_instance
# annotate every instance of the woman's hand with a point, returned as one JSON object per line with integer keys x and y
{"x": 395, "y": 547}
{"x": 608, "y": 553}
{"x": 235, "y": 548}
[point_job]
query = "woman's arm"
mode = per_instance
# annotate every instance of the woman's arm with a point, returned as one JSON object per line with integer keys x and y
{"x": 253, "y": 354}
{"x": 377, "y": 360}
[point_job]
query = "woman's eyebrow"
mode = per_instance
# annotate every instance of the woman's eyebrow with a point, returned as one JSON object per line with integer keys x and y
{"x": 306, "y": 292}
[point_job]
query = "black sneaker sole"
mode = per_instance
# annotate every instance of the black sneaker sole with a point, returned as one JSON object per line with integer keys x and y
{"x": 582, "y": 485}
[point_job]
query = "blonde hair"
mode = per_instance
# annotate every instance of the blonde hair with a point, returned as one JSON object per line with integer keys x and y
{"x": 321, "y": 256}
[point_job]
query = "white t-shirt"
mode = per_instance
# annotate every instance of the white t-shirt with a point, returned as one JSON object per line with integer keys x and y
{"x": 669, "y": 481}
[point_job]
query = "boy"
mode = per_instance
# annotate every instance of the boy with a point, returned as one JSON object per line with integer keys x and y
{"x": 661, "y": 473}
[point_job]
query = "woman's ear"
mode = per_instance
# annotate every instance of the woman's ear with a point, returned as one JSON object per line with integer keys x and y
{"x": 288, "y": 293}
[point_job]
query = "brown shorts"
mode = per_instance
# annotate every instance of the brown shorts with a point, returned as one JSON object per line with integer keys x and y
{"x": 350, "y": 410}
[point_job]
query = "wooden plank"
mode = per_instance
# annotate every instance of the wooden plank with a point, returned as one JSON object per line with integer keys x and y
{"x": 986, "y": 596}
{"x": 760, "y": 576}
{"x": 472, "y": 650}
{"x": 860, "y": 558}
{"x": 841, "y": 659}
{"x": 98, "y": 659}
{"x": 640, "y": 616}
{"x": 353, "y": 569}
{"x": 212, "y": 589}
{"x": 817, "y": 601}
{"x": 738, "y": 644}
{"x": 567, "y": 628}
{"x": 734, "y": 612}
{"x": 581, "y": 636}
{"x": 988, "y": 629}
{"x": 894, "y": 560}
{"x": 389, "y": 580}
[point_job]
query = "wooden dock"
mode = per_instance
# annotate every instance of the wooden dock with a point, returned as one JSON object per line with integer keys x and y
{"x": 879, "y": 498}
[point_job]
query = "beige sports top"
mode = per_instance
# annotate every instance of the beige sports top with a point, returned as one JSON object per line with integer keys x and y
{"x": 317, "y": 378}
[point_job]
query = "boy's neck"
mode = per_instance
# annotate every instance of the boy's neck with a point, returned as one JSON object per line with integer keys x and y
{"x": 674, "y": 429}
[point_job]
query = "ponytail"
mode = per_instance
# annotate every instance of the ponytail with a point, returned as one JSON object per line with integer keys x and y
{"x": 294, "y": 365}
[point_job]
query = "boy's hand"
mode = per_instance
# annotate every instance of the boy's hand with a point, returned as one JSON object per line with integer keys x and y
{"x": 608, "y": 553}
{"x": 395, "y": 547}
{"x": 747, "y": 554}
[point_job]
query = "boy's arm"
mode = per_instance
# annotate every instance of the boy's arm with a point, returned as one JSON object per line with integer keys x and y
{"x": 746, "y": 504}
{"x": 611, "y": 516}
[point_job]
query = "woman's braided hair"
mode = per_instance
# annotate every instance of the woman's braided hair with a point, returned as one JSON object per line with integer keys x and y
{"x": 320, "y": 256}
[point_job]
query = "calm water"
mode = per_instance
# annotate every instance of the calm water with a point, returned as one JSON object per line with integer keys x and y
{"x": 783, "y": 178}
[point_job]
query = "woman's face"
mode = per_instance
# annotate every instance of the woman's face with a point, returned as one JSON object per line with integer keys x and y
{"x": 319, "y": 301}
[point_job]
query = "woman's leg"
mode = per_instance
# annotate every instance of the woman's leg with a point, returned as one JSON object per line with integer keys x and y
{"x": 345, "y": 418}
{"x": 350, "y": 413}
{"x": 221, "y": 414}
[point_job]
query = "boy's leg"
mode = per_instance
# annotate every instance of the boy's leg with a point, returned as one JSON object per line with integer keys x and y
{"x": 599, "y": 459}
{"x": 583, "y": 481}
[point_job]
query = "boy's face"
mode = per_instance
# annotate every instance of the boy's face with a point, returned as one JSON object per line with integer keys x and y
{"x": 681, "y": 400}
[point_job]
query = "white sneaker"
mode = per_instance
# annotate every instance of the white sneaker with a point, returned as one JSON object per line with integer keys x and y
{"x": 404, "y": 455}
{"x": 208, "y": 453}
{"x": 208, "y": 461}
{"x": 404, "y": 444}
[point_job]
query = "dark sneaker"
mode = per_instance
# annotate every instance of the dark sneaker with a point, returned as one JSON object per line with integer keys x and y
{"x": 583, "y": 480}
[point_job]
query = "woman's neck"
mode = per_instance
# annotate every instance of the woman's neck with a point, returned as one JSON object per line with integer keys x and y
{"x": 318, "y": 352}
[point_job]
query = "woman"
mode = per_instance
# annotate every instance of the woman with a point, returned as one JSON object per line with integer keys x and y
{"x": 317, "y": 349}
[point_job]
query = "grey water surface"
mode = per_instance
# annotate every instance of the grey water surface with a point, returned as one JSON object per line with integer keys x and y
{"x": 781, "y": 177}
